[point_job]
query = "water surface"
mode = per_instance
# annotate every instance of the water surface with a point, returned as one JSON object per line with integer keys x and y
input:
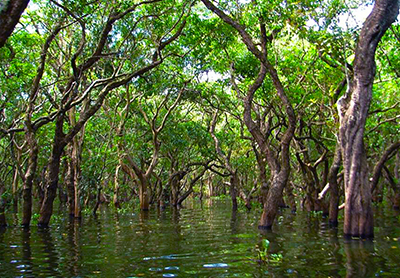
{"x": 201, "y": 240}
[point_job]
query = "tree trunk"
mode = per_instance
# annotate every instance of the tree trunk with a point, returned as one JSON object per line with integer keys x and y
{"x": 53, "y": 169}
{"x": 46, "y": 209}
{"x": 3, "y": 221}
{"x": 9, "y": 17}
{"x": 15, "y": 190}
{"x": 353, "y": 111}
{"x": 234, "y": 182}
{"x": 271, "y": 205}
{"x": 210, "y": 186}
{"x": 290, "y": 197}
{"x": 395, "y": 196}
{"x": 98, "y": 199}
{"x": 69, "y": 180}
{"x": 116, "y": 188}
{"x": 174, "y": 185}
{"x": 144, "y": 194}
{"x": 262, "y": 164}
{"x": 29, "y": 177}
{"x": 62, "y": 194}
{"x": 334, "y": 188}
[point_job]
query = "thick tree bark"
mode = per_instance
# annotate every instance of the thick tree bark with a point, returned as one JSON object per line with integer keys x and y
{"x": 353, "y": 110}
{"x": 10, "y": 13}
{"x": 274, "y": 197}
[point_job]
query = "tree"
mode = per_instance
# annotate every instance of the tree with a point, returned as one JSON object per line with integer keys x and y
{"x": 10, "y": 12}
{"x": 278, "y": 161}
{"x": 153, "y": 122}
{"x": 353, "y": 110}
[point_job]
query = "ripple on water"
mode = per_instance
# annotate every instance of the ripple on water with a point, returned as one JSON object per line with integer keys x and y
{"x": 196, "y": 242}
{"x": 171, "y": 268}
{"x": 217, "y": 265}
{"x": 169, "y": 275}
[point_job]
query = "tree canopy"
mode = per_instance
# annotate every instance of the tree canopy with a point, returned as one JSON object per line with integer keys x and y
{"x": 159, "y": 100}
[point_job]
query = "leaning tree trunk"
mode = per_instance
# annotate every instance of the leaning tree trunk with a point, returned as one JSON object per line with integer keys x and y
{"x": 10, "y": 12}
{"x": 274, "y": 197}
{"x": 51, "y": 182}
{"x": 353, "y": 110}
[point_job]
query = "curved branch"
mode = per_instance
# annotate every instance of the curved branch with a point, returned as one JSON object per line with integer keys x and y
{"x": 381, "y": 163}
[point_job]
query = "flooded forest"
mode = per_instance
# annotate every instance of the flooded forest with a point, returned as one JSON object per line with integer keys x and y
{"x": 199, "y": 138}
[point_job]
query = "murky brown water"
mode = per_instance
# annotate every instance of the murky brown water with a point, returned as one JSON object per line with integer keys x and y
{"x": 201, "y": 240}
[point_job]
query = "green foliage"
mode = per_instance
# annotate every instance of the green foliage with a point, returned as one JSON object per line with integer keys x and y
{"x": 264, "y": 256}
{"x": 306, "y": 46}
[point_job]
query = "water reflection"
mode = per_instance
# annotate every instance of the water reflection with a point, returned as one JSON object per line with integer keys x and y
{"x": 359, "y": 259}
{"x": 208, "y": 241}
{"x": 26, "y": 266}
{"x": 72, "y": 252}
{"x": 49, "y": 257}
{"x": 234, "y": 221}
{"x": 335, "y": 257}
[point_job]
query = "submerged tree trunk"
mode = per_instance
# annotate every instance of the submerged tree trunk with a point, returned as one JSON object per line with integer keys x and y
{"x": 274, "y": 197}
{"x": 46, "y": 209}
{"x": 353, "y": 110}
